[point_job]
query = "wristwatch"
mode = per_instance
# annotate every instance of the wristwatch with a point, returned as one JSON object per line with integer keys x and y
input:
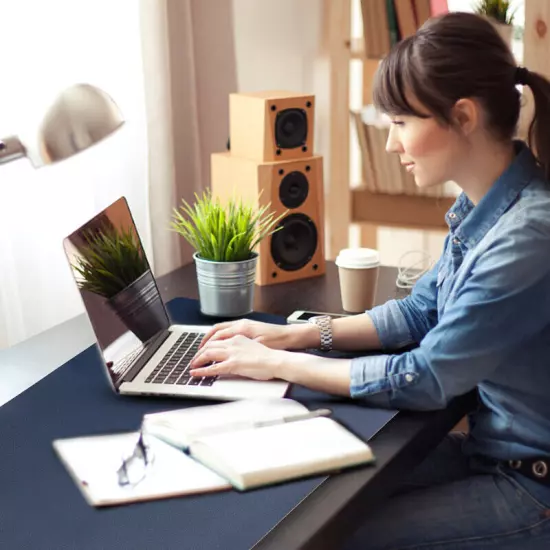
{"x": 324, "y": 322}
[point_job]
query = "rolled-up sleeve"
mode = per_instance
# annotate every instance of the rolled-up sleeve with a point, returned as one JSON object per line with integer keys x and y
{"x": 477, "y": 332}
{"x": 398, "y": 323}
{"x": 402, "y": 322}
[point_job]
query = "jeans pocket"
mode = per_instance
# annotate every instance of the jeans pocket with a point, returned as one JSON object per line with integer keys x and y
{"x": 537, "y": 493}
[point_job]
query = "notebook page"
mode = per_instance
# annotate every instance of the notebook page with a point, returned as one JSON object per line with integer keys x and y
{"x": 181, "y": 426}
{"x": 275, "y": 453}
{"x": 93, "y": 463}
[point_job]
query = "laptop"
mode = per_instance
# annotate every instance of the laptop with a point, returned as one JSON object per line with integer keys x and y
{"x": 142, "y": 352}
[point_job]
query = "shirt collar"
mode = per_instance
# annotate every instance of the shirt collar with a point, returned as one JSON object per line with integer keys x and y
{"x": 470, "y": 224}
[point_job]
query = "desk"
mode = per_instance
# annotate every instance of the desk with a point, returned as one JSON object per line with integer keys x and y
{"x": 338, "y": 504}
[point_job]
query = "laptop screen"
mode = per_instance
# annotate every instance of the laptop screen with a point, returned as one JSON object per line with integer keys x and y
{"x": 117, "y": 286}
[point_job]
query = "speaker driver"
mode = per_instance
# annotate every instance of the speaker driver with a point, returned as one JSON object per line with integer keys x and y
{"x": 294, "y": 189}
{"x": 290, "y": 128}
{"x": 293, "y": 246}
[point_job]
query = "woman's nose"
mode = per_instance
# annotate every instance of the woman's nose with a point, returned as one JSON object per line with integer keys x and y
{"x": 393, "y": 145}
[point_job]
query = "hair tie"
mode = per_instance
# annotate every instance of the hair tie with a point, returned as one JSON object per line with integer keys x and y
{"x": 522, "y": 75}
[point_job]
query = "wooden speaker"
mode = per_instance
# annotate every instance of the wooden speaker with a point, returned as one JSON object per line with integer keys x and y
{"x": 294, "y": 187}
{"x": 271, "y": 126}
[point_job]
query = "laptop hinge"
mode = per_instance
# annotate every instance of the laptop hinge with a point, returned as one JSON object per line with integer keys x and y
{"x": 151, "y": 348}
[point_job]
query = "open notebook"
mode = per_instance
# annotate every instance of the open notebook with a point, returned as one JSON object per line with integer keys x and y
{"x": 244, "y": 444}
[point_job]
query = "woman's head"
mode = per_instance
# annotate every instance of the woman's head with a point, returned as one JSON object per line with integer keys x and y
{"x": 455, "y": 78}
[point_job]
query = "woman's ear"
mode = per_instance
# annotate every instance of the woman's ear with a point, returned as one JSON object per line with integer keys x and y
{"x": 465, "y": 115}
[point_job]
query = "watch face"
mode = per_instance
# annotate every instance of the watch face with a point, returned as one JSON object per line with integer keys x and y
{"x": 317, "y": 318}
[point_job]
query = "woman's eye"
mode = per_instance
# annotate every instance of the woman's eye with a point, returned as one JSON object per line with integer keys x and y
{"x": 398, "y": 122}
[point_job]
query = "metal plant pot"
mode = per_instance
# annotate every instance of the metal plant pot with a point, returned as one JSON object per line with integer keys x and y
{"x": 226, "y": 289}
{"x": 506, "y": 32}
{"x": 140, "y": 307}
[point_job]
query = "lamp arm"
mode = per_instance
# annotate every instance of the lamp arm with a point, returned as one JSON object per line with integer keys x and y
{"x": 11, "y": 148}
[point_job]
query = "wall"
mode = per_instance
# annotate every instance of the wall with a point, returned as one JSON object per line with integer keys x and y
{"x": 278, "y": 47}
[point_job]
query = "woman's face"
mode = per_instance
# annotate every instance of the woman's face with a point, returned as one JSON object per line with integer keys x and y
{"x": 427, "y": 149}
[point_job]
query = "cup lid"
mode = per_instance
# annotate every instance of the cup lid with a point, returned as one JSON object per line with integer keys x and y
{"x": 358, "y": 258}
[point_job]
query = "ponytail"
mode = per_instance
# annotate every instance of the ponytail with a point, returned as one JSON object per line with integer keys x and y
{"x": 539, "y": 129}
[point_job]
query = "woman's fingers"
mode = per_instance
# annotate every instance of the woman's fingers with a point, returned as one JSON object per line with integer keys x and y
{"x": 225, "y": 334}
{"x": 210, "y": 370}
{"x": 213, "y": 331}
{"x": 208, "y": 356}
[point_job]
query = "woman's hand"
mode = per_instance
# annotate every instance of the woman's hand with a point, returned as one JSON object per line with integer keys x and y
{"x": 241, "y": 356}
{"x": 238, "y": 356}
{"x": 272, "y": 336}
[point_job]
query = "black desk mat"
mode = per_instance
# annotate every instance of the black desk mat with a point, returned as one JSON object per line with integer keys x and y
{"x": 41, "y": 508}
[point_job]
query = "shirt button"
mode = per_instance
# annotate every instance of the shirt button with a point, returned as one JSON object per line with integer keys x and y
{"x": 456, "y": 241}
{"x": 409, "y": 377}
{"x": 452, "y": 215}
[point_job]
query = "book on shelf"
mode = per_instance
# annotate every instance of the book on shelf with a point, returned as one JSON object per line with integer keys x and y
{"x": 385, "y": 22}
{"x": 423, "y": 11}
{"x": 369, "y": 179}
{"x": 376, "y": 28}
{"x": 242, "y": 444}
{"x": 393, "y": 27}
{"x": 406, "y": 17}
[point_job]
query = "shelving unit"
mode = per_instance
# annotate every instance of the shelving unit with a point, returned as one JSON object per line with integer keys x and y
{"x": 346, "y": 205}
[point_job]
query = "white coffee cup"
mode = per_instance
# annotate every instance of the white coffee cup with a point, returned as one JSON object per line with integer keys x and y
{"x": 358, "y": 272}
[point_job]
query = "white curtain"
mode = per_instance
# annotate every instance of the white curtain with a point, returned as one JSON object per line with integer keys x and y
{"x": 46, "y": 46}
{"x": 190, "y": 69}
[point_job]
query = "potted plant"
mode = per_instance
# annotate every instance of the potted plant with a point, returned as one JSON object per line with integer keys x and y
{"x": 111, "y": 264}
{"x": 501, "y": 15}
{"x": 224, "y": 240}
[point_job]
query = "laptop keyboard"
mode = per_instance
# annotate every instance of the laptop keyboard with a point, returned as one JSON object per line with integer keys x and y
{"x": 121, "y": 366}
{"x": 174, "y": 366}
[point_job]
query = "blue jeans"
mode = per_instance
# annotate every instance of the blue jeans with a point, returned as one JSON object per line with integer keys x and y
{"x": 452, "y": 501}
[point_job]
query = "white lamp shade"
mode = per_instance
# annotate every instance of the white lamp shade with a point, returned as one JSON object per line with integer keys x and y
{"x": 80, "y": 116}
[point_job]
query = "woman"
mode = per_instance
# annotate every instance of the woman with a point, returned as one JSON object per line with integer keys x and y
{"x": 480, "y": 317}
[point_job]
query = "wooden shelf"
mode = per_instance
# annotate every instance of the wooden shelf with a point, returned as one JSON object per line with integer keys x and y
{"x": 407, "y": 211}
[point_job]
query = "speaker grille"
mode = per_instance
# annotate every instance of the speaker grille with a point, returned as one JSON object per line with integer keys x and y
{"x": 293, "y": 246}
{"x": 291, "y": 128}
{"x": 294, "y": 189}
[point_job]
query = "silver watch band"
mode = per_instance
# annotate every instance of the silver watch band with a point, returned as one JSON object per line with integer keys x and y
{"x": 324, "y": 322}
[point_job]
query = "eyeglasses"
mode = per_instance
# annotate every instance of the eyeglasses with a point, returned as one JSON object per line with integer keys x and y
{"x": 135, "y": 466}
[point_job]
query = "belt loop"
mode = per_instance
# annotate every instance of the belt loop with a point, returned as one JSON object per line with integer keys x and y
{"x": 540, "y": 468}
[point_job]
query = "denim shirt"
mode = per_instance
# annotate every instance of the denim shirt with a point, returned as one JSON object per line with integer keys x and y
{"x": 481, "y": 317}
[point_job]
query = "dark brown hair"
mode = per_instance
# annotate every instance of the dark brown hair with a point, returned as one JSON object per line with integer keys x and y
{"x": 461, "y": 55}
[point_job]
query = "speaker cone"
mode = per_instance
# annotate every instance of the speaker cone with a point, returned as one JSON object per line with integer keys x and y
{"x": 290, "y": 128}
{"x": 293, "y": 246}
{"x": 294, "y": 189}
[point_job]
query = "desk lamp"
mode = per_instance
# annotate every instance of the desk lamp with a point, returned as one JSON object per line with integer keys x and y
{"x": 80, "y": 116}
